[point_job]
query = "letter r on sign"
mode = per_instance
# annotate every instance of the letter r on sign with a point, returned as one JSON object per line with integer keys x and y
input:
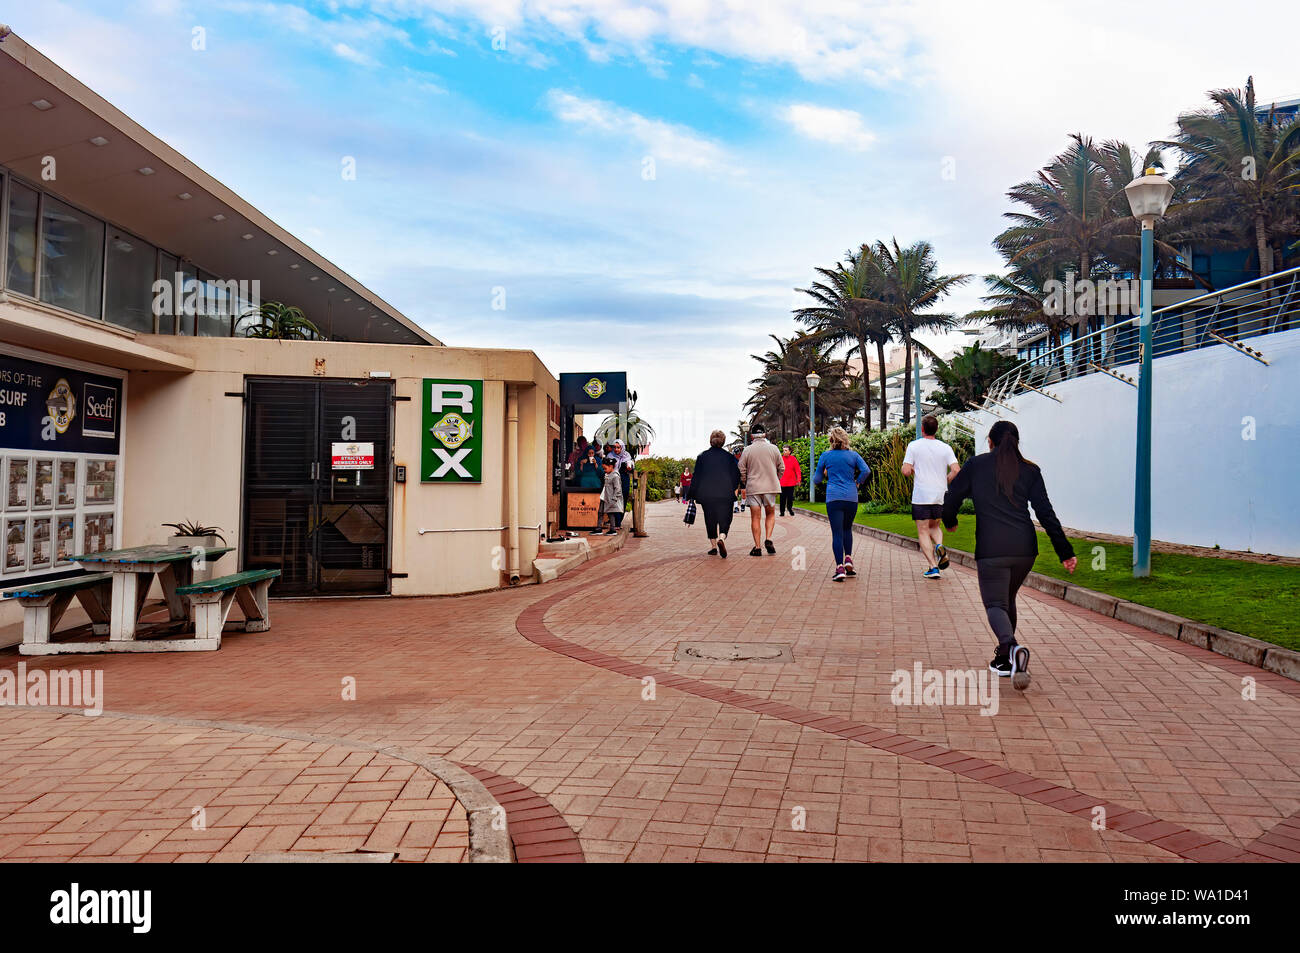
{"x": 441, "y": 397}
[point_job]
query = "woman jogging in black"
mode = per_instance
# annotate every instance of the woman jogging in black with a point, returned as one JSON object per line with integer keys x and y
{"x": 1003, "y": 485}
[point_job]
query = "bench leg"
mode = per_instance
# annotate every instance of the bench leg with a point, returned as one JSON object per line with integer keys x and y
{"x": 130, "y": 589}
{"x": 96, "y": 602}
{"x": 255, "y": 606}
{"x": 176, "y": 574}
{"x": 41, "y": 615}
{"x": 210, "y": 612}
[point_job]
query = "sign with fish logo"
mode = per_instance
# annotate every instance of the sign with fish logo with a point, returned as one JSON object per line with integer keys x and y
{"x": 451, "y": 445}
{"x": 594, "y": 388}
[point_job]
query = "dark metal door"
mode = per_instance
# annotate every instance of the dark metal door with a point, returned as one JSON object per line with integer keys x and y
{"x": 326, "y": 530}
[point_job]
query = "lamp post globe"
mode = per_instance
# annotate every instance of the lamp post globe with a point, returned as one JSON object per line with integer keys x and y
{"x": 1148, "y": 198}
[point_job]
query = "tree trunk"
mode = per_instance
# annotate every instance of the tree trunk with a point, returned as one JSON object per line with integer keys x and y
{"x": 907, "y": 378}
{"x": 1265, "y": 252}
{"x": 880, "y": 356}
{"x": 866, "y": 385}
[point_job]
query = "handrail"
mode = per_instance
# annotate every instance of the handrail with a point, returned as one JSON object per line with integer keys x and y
{"x": 1244, "y": 310}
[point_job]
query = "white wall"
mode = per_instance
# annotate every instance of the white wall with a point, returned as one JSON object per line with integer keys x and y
{"x": 1210, "y": 486}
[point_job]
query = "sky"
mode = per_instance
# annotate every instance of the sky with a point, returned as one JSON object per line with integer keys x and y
{"x": 643, "y": 186}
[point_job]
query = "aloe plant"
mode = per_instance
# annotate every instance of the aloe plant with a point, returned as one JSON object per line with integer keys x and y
{"x": 192, "y": 528}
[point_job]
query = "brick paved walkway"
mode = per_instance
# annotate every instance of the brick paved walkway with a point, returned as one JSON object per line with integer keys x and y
{"x": 543, "y": 686}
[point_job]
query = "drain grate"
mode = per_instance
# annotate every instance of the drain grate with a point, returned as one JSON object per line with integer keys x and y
{"x": 733, "y": 652}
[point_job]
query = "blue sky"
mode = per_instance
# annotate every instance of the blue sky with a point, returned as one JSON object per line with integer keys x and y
{"x": 506, "y": 143}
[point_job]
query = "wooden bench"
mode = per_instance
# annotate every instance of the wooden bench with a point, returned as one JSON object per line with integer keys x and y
{"x": 45, "y": 602}
{"x": 213, "y": 598}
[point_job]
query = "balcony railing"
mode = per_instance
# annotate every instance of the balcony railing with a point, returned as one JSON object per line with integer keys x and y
{"x": 1220, "y": 318}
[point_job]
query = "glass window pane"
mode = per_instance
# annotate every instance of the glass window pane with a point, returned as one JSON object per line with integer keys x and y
{"x": 167, "y": 270}
{"x": 189, "y": 298}
{"x": 72, "y": 258}
{"x": 128, "y": 290}
{"x": 214, "y": 319}
{"x": 21, "y": 275}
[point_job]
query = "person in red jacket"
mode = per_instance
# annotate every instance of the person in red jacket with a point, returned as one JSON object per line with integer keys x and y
{"x": 790, "y": 479}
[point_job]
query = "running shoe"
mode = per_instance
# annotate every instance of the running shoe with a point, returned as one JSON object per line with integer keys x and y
{"x": 713, "y": 551}
{"x": 770, "y": 548}
{"x": 755, "y": 551}
{"x": 839, "y": 574}
{"x": 941, "y": 554}
{"x": 931, "y": 573}
{"x": 1019, "y": 668}
{"x": 722, "y": 547}
{"x": 848, "y": 566}
{"x": 1001, "y": 665}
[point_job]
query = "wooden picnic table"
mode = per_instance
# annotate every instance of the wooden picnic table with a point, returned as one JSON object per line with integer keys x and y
{"x": 132, "y": 571}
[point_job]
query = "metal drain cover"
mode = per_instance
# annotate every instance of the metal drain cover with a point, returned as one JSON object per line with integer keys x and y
{"x": 732, "y": 652}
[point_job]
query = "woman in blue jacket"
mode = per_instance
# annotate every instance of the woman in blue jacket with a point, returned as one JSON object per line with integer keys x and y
{"x": 843, "y": 471}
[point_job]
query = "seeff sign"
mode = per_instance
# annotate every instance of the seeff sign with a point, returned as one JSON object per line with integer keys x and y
{"x": 451, "y": 442}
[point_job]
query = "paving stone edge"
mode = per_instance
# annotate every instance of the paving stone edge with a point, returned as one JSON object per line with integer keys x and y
{"x": 1233, "y": 645}
{"x": 489, "y": 835}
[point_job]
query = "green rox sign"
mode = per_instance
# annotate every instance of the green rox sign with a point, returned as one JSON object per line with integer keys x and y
{"x": 451, "y": 441}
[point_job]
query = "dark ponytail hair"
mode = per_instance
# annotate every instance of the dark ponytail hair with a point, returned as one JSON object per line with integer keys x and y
{"x": 1006, "y": 456}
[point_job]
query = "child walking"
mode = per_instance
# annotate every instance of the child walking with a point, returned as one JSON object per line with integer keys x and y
{"x": 611, "y": 497}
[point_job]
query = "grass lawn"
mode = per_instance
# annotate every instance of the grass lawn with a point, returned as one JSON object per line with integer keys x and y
{"x": 1251, "y": 598}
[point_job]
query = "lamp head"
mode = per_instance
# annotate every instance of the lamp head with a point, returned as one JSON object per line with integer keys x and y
{"x": 1148, "y": 196}
{"x": 813, "y": 380}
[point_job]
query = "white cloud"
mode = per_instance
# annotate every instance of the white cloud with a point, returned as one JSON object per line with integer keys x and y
{"x": 664, "y": 141}
{"x": 351, "y": 55}
{"x": 840, "y": 127}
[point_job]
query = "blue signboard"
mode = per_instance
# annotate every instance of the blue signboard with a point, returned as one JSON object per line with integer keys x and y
{"x": 49, "y": 408}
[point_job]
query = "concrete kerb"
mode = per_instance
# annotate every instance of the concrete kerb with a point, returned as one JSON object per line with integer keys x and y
{"x": 489, "y": 834}
{"x": 1233, "y": 645}
{"x": 550, "y": 573}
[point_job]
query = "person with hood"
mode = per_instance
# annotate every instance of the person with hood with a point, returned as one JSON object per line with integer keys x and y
{"x": 623, "y": 466}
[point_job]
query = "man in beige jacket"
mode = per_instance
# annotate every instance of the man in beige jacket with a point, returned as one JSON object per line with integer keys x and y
{"x": 761, "y": 467}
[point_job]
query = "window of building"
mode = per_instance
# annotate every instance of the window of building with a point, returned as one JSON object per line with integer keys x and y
{"x": 21, "y": 240}
{"x": 72, "y": 258}
{"x": 167, "y": 268}
{"x": 128, "y": 287}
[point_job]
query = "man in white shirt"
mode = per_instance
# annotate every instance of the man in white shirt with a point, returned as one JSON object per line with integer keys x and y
{"x": 932, "y": 464}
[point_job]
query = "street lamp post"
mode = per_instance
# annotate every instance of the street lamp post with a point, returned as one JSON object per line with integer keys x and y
{"x": 1148, "y": 197}
{"x": 813, "y": 380}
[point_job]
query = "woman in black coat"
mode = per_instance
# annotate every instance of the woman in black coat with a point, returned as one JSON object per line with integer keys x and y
{"x": 713, "y": 487}
{"x": 1003, "y": 485}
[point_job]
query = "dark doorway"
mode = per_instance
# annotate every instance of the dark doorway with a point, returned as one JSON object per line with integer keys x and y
{"x": 326, "y": 530}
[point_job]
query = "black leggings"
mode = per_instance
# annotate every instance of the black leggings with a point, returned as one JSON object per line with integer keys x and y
{"x": 1000, "y": 578}
{"x": 717, "y": 515}
{"x": 787, "y": 500}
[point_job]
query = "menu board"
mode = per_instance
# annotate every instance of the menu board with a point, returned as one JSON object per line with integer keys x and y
{"x": 18, "y": 483}
{"x": 65, "y": 547}
{"x": 42, "y": 553}
{"x": 43, "y": 485}
{"x": 67, "y": 495}
{"x": 15, "y": 544}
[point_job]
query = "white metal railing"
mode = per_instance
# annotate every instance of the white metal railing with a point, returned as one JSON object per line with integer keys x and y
{"x": 1226, "y": 317}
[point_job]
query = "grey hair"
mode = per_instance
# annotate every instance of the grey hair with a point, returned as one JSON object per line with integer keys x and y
{"x": 717, "y": 438}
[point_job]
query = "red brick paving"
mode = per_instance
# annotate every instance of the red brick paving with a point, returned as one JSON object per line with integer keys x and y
{"x": 1154, "y": 729}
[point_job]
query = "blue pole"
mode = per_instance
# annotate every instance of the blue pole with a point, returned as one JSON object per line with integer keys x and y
{"x": 1142, "y": 483}
{"x": 812, "y": 442}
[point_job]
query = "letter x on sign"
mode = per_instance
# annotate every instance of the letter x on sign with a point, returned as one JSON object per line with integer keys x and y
{"x": 450, "y": 461}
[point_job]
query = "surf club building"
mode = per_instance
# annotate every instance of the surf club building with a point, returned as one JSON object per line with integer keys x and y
{"x": 368, "y": 460}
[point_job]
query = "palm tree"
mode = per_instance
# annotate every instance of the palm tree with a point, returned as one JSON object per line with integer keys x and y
{"x": 780, "y": 392}
{"x": 1015, "y": 303}
{"x": 1238, "y": 161}
{"x": 966, "y": 377}
{"x": 846, "y": 313}
{"x": 277, "y": 320}
{"x": 909, "y": 285}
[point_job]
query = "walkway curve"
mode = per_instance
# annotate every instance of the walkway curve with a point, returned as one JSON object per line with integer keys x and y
{"x": 489, "y": 838}
{"x": 1172, "y": 837}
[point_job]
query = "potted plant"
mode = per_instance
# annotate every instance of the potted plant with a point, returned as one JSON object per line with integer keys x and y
{"x": 195, "y": 535}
